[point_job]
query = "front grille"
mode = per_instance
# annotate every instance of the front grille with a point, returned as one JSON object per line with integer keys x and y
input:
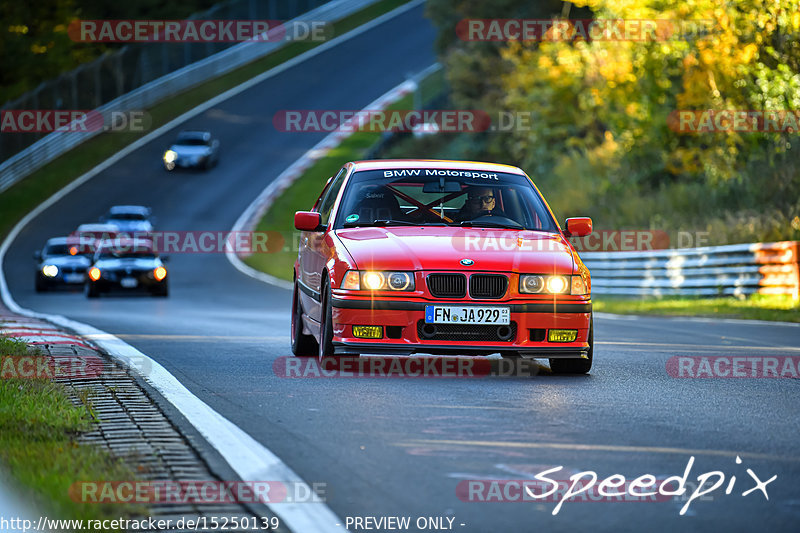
{"x": 464, "y": 332}
{"x": 487, "y": 286}
{"x": 447, "y": 285}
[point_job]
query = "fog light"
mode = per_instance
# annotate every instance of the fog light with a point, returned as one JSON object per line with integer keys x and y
{"x": 562, "y": 335}
{"x": 368, "y": 332}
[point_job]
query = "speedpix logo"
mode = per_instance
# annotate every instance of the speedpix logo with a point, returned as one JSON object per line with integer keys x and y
{"x": 586, "y": 486}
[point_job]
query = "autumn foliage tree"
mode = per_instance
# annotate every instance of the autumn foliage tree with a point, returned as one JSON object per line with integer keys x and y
{"x": 602, "y": 109}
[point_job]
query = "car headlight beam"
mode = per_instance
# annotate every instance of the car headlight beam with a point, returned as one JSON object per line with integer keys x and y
{"x": 554, "y": 284}
{"x": 94, "y": 273}
{"x": 373, "y": 280}
{"x": 557, "y": 285}
{"x": 50, "y": 271}
{"x": 160, "y": 273}
{"x": 170, "y": 156}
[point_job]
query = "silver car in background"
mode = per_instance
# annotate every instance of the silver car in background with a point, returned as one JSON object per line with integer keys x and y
{"x": 192, "y": 149}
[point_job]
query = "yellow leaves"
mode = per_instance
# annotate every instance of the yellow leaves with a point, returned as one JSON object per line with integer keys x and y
{"x": 748, "y": 53}
{"x": 19, "y": 28}
{"x": 38, "y": 49}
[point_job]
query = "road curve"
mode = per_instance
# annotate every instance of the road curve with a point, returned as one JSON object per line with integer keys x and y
{"x": 400, "y": 447}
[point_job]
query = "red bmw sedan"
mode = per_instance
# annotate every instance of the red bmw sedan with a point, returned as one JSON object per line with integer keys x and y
{"x": 443, "y": 258}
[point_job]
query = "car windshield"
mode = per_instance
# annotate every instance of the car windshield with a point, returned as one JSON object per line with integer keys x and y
{"x": 125, "y": 252}
{"x": 192, "y": 141}
{"x": 127, "y": 216}
{"x": 57, "y": 249}
{"x": 430, "y": 197}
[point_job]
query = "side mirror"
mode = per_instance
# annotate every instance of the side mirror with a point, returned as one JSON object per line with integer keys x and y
{"x": 103, "y": 219}
{"x": 578, "y": 227}
{"x": 37, "y": 255}
{"x": 307, "y": 221}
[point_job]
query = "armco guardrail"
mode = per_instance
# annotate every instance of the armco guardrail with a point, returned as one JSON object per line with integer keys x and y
{"x": 55, "y": 144}
{"x": 737, "y": 269}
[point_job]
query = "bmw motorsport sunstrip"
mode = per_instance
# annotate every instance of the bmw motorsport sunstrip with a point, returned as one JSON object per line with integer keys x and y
{"x": 440, "y": 257}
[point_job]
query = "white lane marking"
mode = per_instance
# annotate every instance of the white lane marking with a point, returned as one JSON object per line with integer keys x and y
{"x": 261, "y": 204}
{"x": 248, "y": 458}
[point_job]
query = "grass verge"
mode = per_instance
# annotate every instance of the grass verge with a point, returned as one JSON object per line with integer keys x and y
{"x": 22, "y": 197}
{"x": 38, "y": 429}
{"x": 302, "y": 194}
{"x": 755, "y": 307}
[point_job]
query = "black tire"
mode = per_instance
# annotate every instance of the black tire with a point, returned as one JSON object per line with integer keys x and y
{"x": 575, "y": 366}
{"x": 326, "y": 323}
{"x": 91, "y": 291}
{"x": 161, "y": 292}
{"x": 302, "y": 345}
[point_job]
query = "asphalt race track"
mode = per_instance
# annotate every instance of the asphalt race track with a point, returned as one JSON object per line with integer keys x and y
{"x": 400, "y": 447}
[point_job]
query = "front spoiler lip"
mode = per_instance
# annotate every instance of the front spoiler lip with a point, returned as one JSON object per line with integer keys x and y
{"x": 556, "y": 352}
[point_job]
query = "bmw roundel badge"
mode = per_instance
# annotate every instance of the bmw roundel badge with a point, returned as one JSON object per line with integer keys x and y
{"x": 467, "y": 262}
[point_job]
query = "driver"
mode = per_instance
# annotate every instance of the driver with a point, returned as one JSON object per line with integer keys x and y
{"x": 480, "y": 202}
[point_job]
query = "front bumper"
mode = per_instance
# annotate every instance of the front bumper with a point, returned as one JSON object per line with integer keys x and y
{"x": 404, "y": 330}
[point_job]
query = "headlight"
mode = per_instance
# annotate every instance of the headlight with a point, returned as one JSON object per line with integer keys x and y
{"x": 170, "y": 156}
{"x": 531, "y": 284}
{"x": 537, "y": 283}
{"x": 50, "y": 271}
{"x": 160, "y": 273}
{"x": 94, "y": 273}
{"x": 370, "y": 280}
{"x": 557, "y": 285}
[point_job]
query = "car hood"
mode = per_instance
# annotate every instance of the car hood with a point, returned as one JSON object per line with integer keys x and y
{"x": 122, "y": 264}
{"x": 189, "y": 151}
{"x": 66, "y": 261}
{"x": 442, "y": 248}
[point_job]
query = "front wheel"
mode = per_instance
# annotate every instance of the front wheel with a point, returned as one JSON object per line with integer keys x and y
{"x": 575, "y": 366}
{"x": 302, "y": 345}
{"x": 91, "y": 291}
{"x": 326, "y": 324}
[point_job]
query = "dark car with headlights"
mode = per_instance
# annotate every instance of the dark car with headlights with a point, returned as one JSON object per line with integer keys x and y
{"x": 192, "y": 149}
{"x": 130, "y": 219}
{"x": 60, "y": 263}
{"x": 127, "y": 265}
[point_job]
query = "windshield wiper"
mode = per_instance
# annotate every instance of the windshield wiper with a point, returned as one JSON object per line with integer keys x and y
{"x": 470, "y": 224}
{"x": 380, "y": 223}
